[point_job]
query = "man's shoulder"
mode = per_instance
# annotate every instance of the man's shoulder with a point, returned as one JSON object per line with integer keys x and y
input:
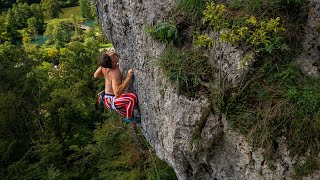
{"x": 115, "y": 73}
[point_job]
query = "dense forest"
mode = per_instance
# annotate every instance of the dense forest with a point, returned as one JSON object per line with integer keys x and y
{"x": 50, "y": 125}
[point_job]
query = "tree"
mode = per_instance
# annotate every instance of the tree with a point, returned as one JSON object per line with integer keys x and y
{"x": 77, "y": 30}
{"x": 51, "y": 8}
{"x": 10, "y": 27}
{"x": 86, "y": 9}
{"x": 26, "y": 36}
{"x": 39, "y": 17}
{"x": 58, "y": 32}
{"x": 3, "y": 33}
{"x": 4, "y": 4}
{"x": 17, "y": 18}
{"x": 18, "y": 109}
{"x": 32, "y": 26}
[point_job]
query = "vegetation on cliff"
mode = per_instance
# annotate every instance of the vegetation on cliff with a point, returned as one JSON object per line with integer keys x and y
{"x": 276, "y": 99}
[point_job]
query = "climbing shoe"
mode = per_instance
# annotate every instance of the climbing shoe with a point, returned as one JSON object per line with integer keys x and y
{"x": 133, "y": 120}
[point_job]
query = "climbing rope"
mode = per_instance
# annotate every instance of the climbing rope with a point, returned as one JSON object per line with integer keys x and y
{"x": 150, "y": 149}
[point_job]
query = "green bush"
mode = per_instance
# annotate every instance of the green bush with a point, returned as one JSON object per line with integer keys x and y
{"x": 164, "y": 31}
{"x": 188, "y": 70}
{"x": 249, "y": 34}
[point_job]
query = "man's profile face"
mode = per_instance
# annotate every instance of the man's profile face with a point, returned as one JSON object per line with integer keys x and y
{"x": 114, "y": 57}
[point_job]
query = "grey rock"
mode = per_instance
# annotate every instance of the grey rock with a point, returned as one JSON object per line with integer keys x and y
{"x": 309, "y": 60}
{"x": 186, "y": 133}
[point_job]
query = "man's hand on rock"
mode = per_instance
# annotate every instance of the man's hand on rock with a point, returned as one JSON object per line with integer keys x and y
{"x": 130, "y": 72}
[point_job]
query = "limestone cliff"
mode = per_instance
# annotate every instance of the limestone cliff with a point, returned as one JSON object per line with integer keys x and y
{"x": 184, "y": 132}
{"x": 309, "y": 58}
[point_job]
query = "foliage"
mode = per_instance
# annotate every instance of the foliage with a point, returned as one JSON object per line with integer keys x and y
{"x": 7, "y": 4}
{"x": 268, "y": 8}
{"x": 190, "y": 9}
{"x": 69, "y": 3}
{"x": 188, "y": 70}
{"x": 121, "y": 155}
{"x": 77, "y": 30}
{"x": 310, "y": 165}
{"x": 69, "y": 12}
{"x": 59, "y": 32}
{"x": 18, "y": 115}
{"x": 52, "y": 8}
{"x": 283, "y": 104}
{"x": 106, "y": 45}
{"x": 22, "y": 16}
{"x": 99, "y": 33}
{"x": 39, "y": 162}
{"x": 249, "y": 34}
{"x": 48, "y": 114}
{"x": 37, "y": 22}
{"x": 164, "y": 31}
{"x": 86, "y": 9}
{"x": 276, "y": 101}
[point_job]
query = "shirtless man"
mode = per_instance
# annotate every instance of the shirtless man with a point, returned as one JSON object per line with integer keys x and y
{"x": 114, "y": 96}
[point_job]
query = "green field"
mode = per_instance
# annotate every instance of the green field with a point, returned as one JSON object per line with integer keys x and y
{"x": 106, "y": 45}
{"x": 67, "y": 13}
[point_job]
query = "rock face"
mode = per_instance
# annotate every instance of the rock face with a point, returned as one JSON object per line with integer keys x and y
{"x": 309, "y": 60}
{"x": 184, "y": 132}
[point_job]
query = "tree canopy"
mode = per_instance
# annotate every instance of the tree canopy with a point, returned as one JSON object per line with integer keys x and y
{"x": 50, "y": 126}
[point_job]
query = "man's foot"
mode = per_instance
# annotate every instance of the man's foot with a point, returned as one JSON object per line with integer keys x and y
{"x": 133, "y": 120}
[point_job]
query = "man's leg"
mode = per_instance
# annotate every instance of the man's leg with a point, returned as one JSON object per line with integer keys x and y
{"x": 126, "y": 103}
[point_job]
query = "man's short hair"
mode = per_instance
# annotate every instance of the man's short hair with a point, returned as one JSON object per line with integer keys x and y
{"x": 105, "y": 60}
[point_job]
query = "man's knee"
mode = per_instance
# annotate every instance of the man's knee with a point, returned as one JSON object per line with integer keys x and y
{"x": 133, "y": 95}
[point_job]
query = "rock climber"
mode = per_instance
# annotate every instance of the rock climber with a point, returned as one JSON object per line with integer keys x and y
{"x": 114, "y": 96}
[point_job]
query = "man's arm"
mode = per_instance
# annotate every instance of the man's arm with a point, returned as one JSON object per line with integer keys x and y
{"x": 98, "y": 72}
{"x": 117, "y": 86}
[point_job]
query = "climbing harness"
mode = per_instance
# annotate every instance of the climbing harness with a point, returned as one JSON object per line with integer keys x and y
{"x": 110, "y": 100}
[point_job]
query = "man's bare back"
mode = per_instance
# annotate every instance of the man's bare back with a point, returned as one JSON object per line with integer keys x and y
{"x": 108, "y": 73}
{"x": 113, "y": 77}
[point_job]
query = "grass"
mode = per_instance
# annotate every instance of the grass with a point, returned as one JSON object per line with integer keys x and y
{"x": 188, "y": 70}
{"x": 103, "y": 47}
{"x": 67, "y": 13}
{"x": 109, "y": 45}
{"x": 307, "y": 167}
{"x": 268, "y": 8}
{"x": 190, "y": 9}
{"x": 280, "y": 101}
